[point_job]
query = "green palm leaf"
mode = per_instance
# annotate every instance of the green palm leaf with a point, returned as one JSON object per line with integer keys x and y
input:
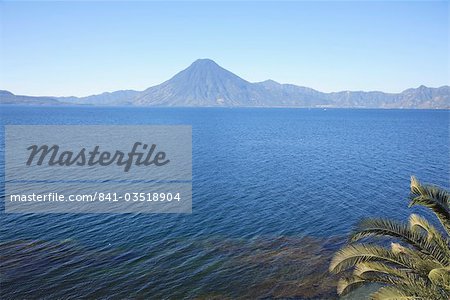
{"x": 389, "y": 228}
{"x": 362, "y": 269}
{"x": 440, "y": 277}
{"x": 393, "y": 293}
{"x": 434, "y": 198}
{"x": 352, "y": 255}
{"x": 417, "y": 223}
{"x": 418, "y": 267}
{"x": 347, "y": 284}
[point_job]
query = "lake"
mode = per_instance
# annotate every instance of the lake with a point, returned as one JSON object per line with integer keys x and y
{"x": 275, "y": 191}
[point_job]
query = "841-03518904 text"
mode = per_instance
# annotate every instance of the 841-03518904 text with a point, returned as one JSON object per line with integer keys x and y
{"x": 98, "y": 196}
{"x": 98, "y": 169}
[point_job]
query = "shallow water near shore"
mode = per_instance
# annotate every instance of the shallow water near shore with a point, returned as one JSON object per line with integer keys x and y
{"x": 275, "y": 191}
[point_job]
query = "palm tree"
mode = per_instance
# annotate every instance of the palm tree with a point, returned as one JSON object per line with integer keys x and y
{"x": 416, "y": 266}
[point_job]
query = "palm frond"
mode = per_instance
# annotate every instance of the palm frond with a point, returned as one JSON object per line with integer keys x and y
{"x": 390, "y": 228}
{"x": 440, "y": 277}
{"x": 352, "y": 255}
{"x": 416, "y": 267}
{"x": 347, "y": 284}
{"x": 434, "y": 198}
{"x": 367, "y": 268}
{"x": 417, "y": 223}
{"x": 393, "y": 293}
{"x": 412, "y": 289}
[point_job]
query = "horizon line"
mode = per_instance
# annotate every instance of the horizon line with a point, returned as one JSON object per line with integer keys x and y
{"x": 213, "y": 61}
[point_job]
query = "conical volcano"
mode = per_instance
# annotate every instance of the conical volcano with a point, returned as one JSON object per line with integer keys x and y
{"x": 203, "y": 83}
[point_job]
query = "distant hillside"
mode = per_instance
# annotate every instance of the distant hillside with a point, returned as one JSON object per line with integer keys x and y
{"x": 9, "y": 98}
{"x": 421, "y": 97}
{"x": 115, "y": 98}
{"x": 206, "y": 84}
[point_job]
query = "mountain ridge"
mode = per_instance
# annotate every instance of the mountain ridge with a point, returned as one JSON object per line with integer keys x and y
{"x": 7, "y": 97}
{"x": 206, "y": 84}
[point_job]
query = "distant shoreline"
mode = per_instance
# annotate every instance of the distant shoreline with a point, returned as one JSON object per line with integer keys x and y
{"x": 206, "y": 84}
{"x": 70, "y": 105}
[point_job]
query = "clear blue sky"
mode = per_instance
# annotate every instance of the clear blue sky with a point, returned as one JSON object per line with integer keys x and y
{"x": 82, "y": 48}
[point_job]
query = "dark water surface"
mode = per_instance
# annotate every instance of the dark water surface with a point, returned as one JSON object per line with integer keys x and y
{"x": 275, "y": 191}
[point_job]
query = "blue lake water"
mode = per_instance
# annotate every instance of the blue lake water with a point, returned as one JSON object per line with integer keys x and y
{"x": 275, "y": 191}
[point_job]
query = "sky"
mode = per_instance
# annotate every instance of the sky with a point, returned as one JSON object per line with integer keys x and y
{"x": 83, "y": 48}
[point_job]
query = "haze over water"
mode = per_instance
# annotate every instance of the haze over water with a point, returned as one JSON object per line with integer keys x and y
{"x": 275, "y": 191}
